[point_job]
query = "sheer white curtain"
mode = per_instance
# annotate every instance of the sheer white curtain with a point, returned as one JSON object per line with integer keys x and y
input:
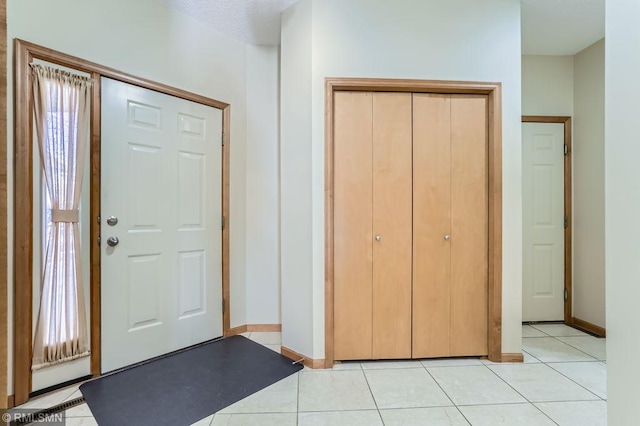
{"x": 61, "y": 102}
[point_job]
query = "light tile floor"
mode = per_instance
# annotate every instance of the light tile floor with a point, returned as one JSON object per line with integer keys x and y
{"x": 562, "y": 382}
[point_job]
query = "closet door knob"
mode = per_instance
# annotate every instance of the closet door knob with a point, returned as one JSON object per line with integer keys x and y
{"x": 378, "y": 237}
{"x": 446, "y": 237}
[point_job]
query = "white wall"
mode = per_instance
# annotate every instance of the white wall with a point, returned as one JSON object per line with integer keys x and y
{"x": 588, "y": 185}
{"x": 622, "y": 209}
{"x": 547, "y": 85}
{"x": 146, "y": 39}
{"x": 295, "y": 180}
{"x": 453, "y": 40}
{"x": 263, "y": 186}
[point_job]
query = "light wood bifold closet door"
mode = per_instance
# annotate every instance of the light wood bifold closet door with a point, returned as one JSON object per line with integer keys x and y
{"x": 392, "y": 216}
{"x": 410, "y": 225}
{"x": 450, "y": 235}
{"x": 353, "y": 220}
{"x": 431, "y": 222}
{"x": 373, "y": 229}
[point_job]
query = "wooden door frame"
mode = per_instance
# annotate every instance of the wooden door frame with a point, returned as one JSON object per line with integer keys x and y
{"x": 25, "y": 53}
{"x": 5, "y": 399}
{"x": 568, "y": 263}
{"x": 493, "y": 91}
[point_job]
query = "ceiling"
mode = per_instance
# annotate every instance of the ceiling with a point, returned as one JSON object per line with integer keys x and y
{"x": 250, "y": 21}
{"x": 560, "y": 27}
{"x": 549, "y": 27}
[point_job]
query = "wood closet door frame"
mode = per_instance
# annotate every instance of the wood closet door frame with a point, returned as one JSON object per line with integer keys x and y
{"x": 493, "y": 91}
{"x": 568, "y": 212}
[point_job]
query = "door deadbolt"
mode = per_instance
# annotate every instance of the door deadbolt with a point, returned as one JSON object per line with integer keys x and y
{"x": 112, "y": 221}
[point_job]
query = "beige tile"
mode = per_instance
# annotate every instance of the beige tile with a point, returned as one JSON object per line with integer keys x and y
{"x": 528, "y": 331}
{"x": 340, "y": 418}
{"x": 383, "y": 365}
{"x": 328, "y": 390}
{"x": 281, "y": 397}
{"x": 405, "y": 388}
{"x": 204, "y": 422}
{"x": 81, "y": 421}
{"x": 591, "y": 375}
{"x": 529, "y": 359}
{"x": 451, "y": 362}
{"x": 506, "y": 414}
{"x": 81, "y": 410}
{"x": 558, "y": 330}
{"x": 51, "y": 399}
{"x": 270, "y": 419}
{"x": 590, "y": 345}
{"x": 347, "y": 366}
{"x": 474, "y": 385}
{"x": 77, "y": 394}
{"x": 576, "y": 413}
{"x": 549, "y": 349}
{"x": 437, "y": 416}
{"x": 540, "y": 383}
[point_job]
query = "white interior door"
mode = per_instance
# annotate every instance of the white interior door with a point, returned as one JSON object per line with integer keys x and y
{"x": 162, "y": 179}
{"x": 543, "y": 221}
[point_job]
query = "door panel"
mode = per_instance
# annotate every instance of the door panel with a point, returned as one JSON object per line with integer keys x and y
{"x": 392, "y": 221}
{"x": 353, "y": 221}
{"x": 410, "y": 169}
{"x": 469, "y": 225}
{"x": 431, "y": 222}
{"x": 543, "y": 221}
{"x": 161, "y": 177}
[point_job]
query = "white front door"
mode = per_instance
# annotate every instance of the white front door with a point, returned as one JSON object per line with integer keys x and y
{"x": 543, "y": 221}
{"x": 161, "y": 283}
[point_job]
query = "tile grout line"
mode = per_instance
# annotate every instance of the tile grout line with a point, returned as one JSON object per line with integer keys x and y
{"x": 438, "y": 384}
{"x": 578, "y": 349}
{"x": 446, "y": 394}
{"x": 593, "y": 359}
{"x": 372, "y": 395}
{"x": 543, "y": 332}
{"x": 525, "y": 398}
{"x": 583, "y": 387}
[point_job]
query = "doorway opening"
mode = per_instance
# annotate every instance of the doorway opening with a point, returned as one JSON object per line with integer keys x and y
{"x": 547, "y": 219}
{"x": 26, "y": 53}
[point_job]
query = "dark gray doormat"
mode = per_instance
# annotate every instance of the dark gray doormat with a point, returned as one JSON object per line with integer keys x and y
{"x": 185, "y": 387}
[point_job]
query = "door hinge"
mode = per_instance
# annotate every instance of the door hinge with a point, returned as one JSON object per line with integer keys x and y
{"x": 566, "y": 222}
{"x": 566, "y": 149}
{"x": 223, "y": 222}
{"x": 223, "y": 139}
{"x": 223, "y": 306}
{"x": 566, "y": 294}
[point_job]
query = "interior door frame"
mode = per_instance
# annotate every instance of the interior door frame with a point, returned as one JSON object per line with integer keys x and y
{"x": 493, "y": 91}
{"x": 25, "y": 53}
{"x": 568, "y": 210}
